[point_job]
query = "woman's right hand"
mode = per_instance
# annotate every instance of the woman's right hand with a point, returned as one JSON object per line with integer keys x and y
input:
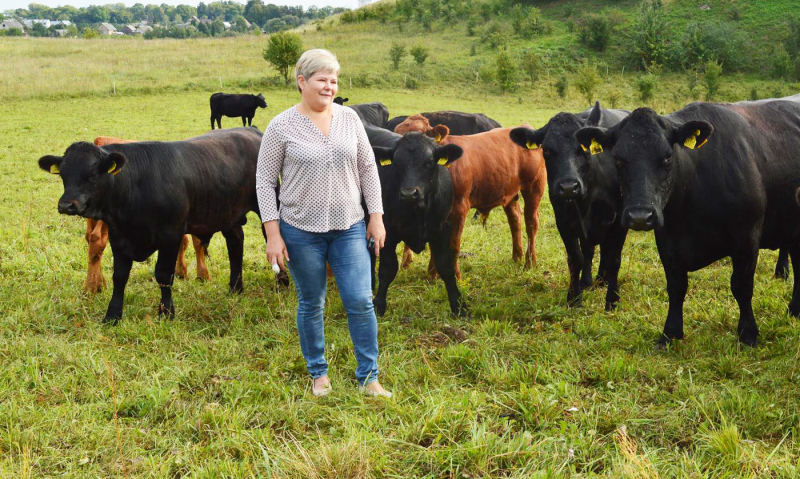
{"x": 276, "y": 248}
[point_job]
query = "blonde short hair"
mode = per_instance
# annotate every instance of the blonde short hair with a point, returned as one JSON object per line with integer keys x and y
{"x": 313, "y": 61}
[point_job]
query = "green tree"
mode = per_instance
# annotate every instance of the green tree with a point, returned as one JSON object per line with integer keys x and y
{"x": 649, "y": 35}
{"x": 90, "y": 33}
{"x": 420, "y": 54}
{"x": 562, "y": 85}
{"x": 507, "y": 70}
{"x": 283, "y": 50}
{"x": 531, "y": 64}
{"x": 646, "y": 84}
{"x": 588, "y": 79}
{"x": 712, "y": 78}
{"x": 396, "y": 53}
{"x": 594, "y": 31}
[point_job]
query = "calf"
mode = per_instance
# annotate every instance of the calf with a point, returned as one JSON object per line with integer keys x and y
{"x": 375, "y": 114}
{"x": 340, "y": 100}
{"x": 459, "y": 123}
{"x": 417, "y": 198}
{"x": 235, "y": 105}
{"x": 492, "y": 172}
{"x": 151, "y": 193}
{"x": 97, "y": 240}
{"x": 585, "y": 195}
{"x": 712, "y": 180}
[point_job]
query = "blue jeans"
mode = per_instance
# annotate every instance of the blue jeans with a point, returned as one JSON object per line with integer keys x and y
{"x": 346, "y": 251}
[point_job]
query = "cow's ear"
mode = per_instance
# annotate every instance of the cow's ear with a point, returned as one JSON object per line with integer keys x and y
{"x": 527, "y": 137}
{"x": 438, "y": 132}
{"x": 113, "y": 163}
{"x": 51, "y": 164}
{"x": 593, "y": 139}
{"x": 446, "y": 155}
{"x": 383, "y": 155}
{"x": 693, "y": 134}
{"x": 596, "y": 115}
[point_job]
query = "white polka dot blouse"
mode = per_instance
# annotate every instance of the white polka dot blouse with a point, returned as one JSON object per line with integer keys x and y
{"x": 323, "y": 179}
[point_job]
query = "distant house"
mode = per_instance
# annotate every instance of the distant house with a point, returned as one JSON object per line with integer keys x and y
{"x": 60, "y": 33}
{"x": 128, "y": 29}
{"x": 62, "y": 23}
{"x": 106, "y": 29}
{"x": 33, "y": 21}
{"x": 142, "y": 29}
{"x": 245, "y": 23}
{"x": 10, "y": 23}
{"x": 227, "y": 25}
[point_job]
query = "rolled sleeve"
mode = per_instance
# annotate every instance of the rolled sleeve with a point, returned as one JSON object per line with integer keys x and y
{"x": 270, "y": 163}
{"x": 368, "y": 172}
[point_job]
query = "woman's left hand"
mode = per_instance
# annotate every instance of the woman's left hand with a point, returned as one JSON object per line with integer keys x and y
{"x": 376, "y": 231}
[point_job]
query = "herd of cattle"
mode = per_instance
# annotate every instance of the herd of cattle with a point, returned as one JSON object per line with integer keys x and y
{"x": 712, "y": 180}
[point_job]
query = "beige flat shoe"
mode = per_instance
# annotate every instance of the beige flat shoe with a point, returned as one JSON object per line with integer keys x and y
{"x": 321, "y": 391}
{"x": 374, "y": 389}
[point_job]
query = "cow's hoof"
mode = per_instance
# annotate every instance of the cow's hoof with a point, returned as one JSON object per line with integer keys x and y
{"x": 611, "y": 305}
{"x": 111, "y": 320}
{"x": 663, "y": 343}
{"x": 600, "y": 281}
{"x": 236, "y": 289}
{"x": 575, "y": 302}
{"x": 794, "y": 310}
{"x": 782, "y": 274}
{"x": 168, "y": 311}
{"x": 749, "y": 338}
{"x": 380, "y": 308}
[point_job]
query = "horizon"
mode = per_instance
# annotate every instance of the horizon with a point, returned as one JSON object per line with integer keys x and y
{"x": 10, "y": 5}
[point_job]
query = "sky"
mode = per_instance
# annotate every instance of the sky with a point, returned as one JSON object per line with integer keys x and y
{"x": 14, "y": 4}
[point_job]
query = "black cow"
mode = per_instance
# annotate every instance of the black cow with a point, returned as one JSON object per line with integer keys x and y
{"x": 152, "y": 193}
{"x": 375, "y": 113}
{"x": 458, "y": 122}
{"x": 584, "y": 192}
{"x": 235, "y": 105}
{"x": 381, "y": 136}
{"x": 340, "y": 100}
{"x": 712, "y": 180}
{"x": 417, "y": 198}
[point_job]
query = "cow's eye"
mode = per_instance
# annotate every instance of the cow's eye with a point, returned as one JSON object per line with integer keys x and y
{"x": 667, "y": 161}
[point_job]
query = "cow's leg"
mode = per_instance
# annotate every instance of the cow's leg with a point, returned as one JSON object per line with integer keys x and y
{"x": 212, "y": 120}
{"x": 122, "y": 271}
{"x": 458, "y": 215}
{"x": 794, "y": 304}
{"x": 445, "y": 266}
{"x": 782, "y": 266}
{"x": 250, "y": 120}
{"x": 234, "y": 240}
{"x": 514, "y": 215}
{"x": 533, "y": 196}
{"x": 588, "y": 256}
{"x": 408, "y": 257}
{"x": 97, "y": 239}
{"x": 677, "y": 284}
{"x": 181, "y": 271}
{"x": 200, "y": 253}
{"x": 244, "y": 121}
{"x": 387, "y": 270}
{"x": 611, "y": 258}
{"x": 165, "y": 276}
{"x": 744, "y": 270}
{"x": 602, "y": 268}
{"x": 575, "y": 264}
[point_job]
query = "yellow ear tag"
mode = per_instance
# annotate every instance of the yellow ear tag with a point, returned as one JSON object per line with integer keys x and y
{"x": 443, "y": 162}
{"x": 584, "y": 148}
{"x": 438, "y": 137}
{"x": 690, "y": 142}
{"x": 531, "y": 145}
{"x": 703, "y": 143}
{"x": 386, "y": 162}
{"x": 54, "y": 169}
{"x": 113, "y": 167}
{"x": 595, "y": 147}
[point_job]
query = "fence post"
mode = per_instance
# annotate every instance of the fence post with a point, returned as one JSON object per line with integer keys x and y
{"x": 115, "y": 87}
{"x": 220, "y": 83}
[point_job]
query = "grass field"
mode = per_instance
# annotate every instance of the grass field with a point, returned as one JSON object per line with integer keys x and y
{"x": 528, "y": 388}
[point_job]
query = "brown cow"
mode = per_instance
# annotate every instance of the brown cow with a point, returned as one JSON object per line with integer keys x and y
{"x": 492, "y": 172}
{"x": 97, "y": 238}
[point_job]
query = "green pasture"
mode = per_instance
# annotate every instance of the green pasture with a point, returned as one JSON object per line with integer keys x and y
{"x": 526, "y": 389}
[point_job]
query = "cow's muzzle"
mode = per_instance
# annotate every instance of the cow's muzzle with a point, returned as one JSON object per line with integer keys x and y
{"x": 568, "y": 189}
{"x": 411, "y": 195}
{"x": 69, "y": 207}
{"x": 640, "y": 218}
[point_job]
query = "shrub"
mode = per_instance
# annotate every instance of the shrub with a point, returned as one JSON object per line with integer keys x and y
{"x": 562, "y": 85}
{"x": 531, "y": 64}
{"x": 87, "y": 33}
{"x": 754, "y": 94}
{"x": 507, "y": 71}
{"x": 594, "y": 31}
{"x": 646, "y": 85}
{"x": 793, "y": 40}
{"x": 712, "y": 78}
{"x": 527, "y": 21}
{"x": 691, "y": 83}
{"x": 396, "y": 53}
{"x": 496, "y": 34}
{"x": 283, "y": 50}
{"x": 420, "y": 54}
{"x": 719, "y": 41}
{"x": 614, "y": 97}
{"x": 587, "y": 80}
{"x": 782, "y": 65}
{"x": 17, "y": 32}
{"x": 649, "y": 35}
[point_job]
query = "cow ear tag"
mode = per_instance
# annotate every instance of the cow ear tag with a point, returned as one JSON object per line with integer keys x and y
{"x": 595, "y": 147}
{"x": 443, "y": 162}
{"x": 386, "y": 162}
{"x": 438, "y": 137}
{"x": 531, "y": 145}
{"x": 113, "y": 167}
{"x": 54, "y": 169}
{"x": 691, "y": 141}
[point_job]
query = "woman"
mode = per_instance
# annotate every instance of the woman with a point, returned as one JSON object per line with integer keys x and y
{"x": 321, "y": 151}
